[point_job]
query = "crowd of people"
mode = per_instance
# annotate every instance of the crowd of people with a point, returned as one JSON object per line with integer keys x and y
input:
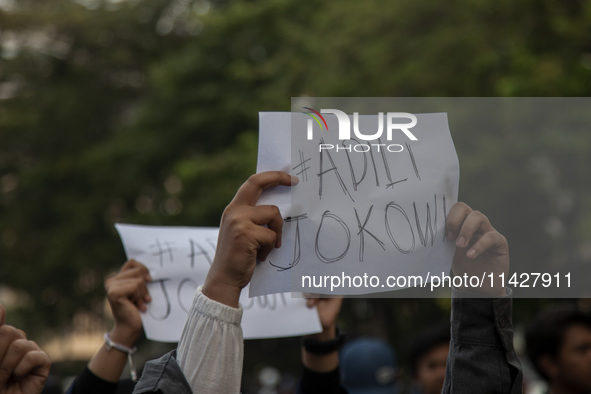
{"x": 473, "y": 354}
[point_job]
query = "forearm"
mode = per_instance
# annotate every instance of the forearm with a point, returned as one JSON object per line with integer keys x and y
{"x": 321, "y": 362}
{"x": 321, "y": 371}
{"x": 104, "y": 369}
{"x": 89, "y": 383}
{"x": 482, "y": 357}
{"x": 108, "y": 363}
{"x": 211, "y": 348}
{"x": 314, "y": 382}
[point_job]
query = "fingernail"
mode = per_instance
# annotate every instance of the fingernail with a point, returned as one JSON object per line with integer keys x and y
{"x": 461, "y": 242}
{"x": 472, "y": 253}
{"x": 294, "y": 180}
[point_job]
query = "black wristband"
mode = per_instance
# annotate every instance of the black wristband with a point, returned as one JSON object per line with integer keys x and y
{"x": 315, "y": 346}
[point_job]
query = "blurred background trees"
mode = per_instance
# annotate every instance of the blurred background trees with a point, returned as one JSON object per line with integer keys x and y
{"x": 146, "y": 111}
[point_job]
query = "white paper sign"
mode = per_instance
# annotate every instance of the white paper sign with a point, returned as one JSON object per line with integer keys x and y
{"x": 178, "y": 259}
{"x": 363, "y": 208}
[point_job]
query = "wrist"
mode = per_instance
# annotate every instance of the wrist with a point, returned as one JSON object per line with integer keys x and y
{"x": 322, "y": 355}
{"x": 221, "y": 291}
{"x": 125, "y": 335}
{"x": 324, "y": 344}
{"x": 327, "y": 334}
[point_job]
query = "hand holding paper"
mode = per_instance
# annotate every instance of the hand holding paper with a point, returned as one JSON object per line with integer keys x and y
{"x": 328, "y": 311}
{"x": 247, "y": 232}
{"x": 480, "y": 249}
{"x": 127, "y": 293}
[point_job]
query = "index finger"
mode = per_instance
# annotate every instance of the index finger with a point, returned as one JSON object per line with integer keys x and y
{"x": 455, "y": 218}
{"x": 132, "y": 264}
{"x": 251, "y": 190}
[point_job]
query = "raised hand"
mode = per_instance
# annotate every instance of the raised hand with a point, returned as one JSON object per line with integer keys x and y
{"x": 128, "y": 295}
{"x": 24, "y": 367}
{"x": 480, "y": 249}
{"x": 247, "y": 232}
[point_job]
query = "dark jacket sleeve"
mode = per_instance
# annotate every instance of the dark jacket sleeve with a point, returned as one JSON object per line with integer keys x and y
{"x": 482, "y": 358}
{"x": 163, "y": 376}
{"x": 89, "y": 383}
{"x": 321, "y": 383}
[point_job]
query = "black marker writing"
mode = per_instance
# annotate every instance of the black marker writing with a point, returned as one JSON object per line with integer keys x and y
{"x": 364, "y": 172}
{"x": 401, "y": 210}
{"x": 414, "y": 163}
{"x": 363, "y": 230}
{"x": 429, "y": 228}
{"x": 375, "y": 168}
{"x": 192, "y": 285}
{"x": 333, "y": 168}
{"x": 296, "y": 244}
{"x": 334, "y": 217}
{"x": 268, "y": 301}
{"x": 303, "y": 167}
{"x": 386, "y": 166}
{"x": 157, "y": 286}
{"x": 162, "y": 250}
{"x": 201, "y": 252}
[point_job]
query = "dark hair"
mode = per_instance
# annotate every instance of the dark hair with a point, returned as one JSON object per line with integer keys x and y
{"x": 545, "y": 335}
{"x": 426, "y": 341}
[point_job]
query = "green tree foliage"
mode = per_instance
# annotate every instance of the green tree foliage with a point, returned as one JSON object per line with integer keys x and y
{"x": 146, "y": 111}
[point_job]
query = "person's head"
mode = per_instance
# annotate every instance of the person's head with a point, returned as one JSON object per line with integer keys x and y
{"x": 428, "y": 358}
{"x": 368, "y": 366}
{"x": 558, "y": 344}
